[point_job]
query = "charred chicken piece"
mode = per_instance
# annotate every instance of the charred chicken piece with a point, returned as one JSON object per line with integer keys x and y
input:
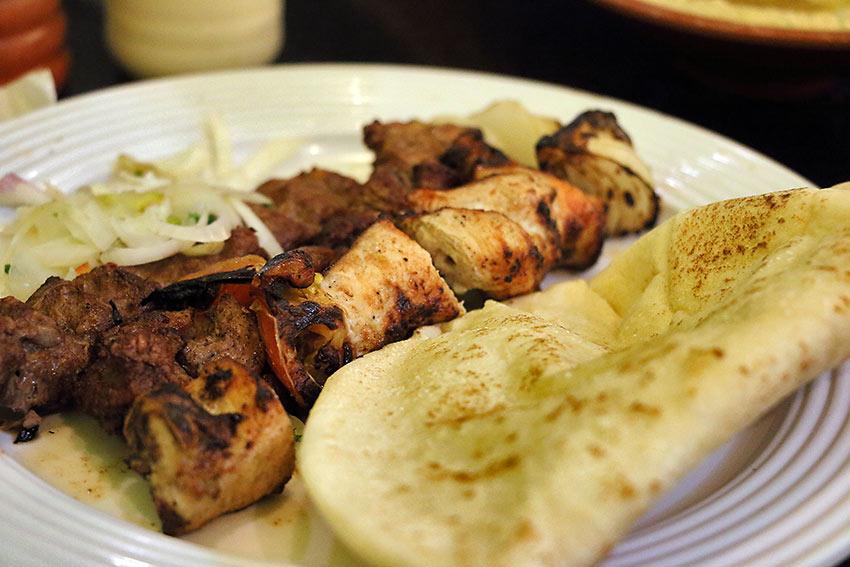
{"x": 39, "y": 362}
{"x": 387, "y": 286}
{"x": 596, "y": 155}
{"x": 218, "y": 444}
{"x": 130, "y": 360}
{"x": 478, "y": 250}
{"x": 93, "y": 302}
{"x": 565, "y": 224}
{"x": 242, "y": 242}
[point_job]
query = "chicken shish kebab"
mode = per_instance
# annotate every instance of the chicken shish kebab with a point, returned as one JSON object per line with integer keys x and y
{"x": 596, "y": 155}
{"x": 173, "y": 368}
{"x": 218, "y": 444}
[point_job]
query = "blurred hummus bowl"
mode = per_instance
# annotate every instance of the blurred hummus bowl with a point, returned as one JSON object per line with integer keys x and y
{"x": 824, "y": 15}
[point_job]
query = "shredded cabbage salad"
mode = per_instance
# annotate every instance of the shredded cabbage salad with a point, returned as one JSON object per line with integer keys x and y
{"x": 146, "y": 211}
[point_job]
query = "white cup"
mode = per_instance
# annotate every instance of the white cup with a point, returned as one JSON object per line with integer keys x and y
{"x": 164, "y": 37}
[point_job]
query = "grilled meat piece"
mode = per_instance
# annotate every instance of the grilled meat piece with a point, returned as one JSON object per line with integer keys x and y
{"x": 411, "y": 155}
{"x": 596, "y": 155}
{"x": 409, "y": 143}
{"x": 341, "y": 231}
{"x": 303, "y": 205}
{"x": 478, "y": 250}
{"x": 93, "y": 302}
{"x": 242, "y": 242}
{"x": 566, "y": 225}
{"x": 129, "y": 360}
{"x": 469, "y": 152}
{"x": 407, "y": 155}
{"x": 226, "y": 329}
{"x": 39, "y": 361}
{"x": 217, "y": 445}
{"x": 387, "y": 286}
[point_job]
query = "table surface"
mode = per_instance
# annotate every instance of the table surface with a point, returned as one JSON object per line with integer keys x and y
{"x": 798, "y": 118}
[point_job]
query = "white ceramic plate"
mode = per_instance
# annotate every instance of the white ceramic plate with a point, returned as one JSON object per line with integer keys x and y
{"x": 777, "y": 494}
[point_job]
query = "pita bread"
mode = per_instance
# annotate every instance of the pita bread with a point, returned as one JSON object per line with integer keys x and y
{"x": 511, "y": 439}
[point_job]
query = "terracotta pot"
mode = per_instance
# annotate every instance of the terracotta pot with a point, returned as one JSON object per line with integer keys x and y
{"x": 32, "y": 36}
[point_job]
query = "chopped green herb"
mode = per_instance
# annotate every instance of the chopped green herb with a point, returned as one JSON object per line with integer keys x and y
{"x": 212, "y": 218}
{"x": 139, "y": 173}
{"x": 194, "y": 216}
{"x": 173, "y": 219}
{"x": 298, "y": 437}
{"x": 7, "y": 267}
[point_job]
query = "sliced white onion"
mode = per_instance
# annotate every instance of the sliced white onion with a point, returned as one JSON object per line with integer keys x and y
{"x": 142, "y": 254}
{"x": 264, "y": 235}
{"x": 261, "y": 165}
{"x": 220, "y": 146}
{"x": 217, "y": 231}
{"x": 64, "y": 252}
{"x": 149, "y": 210}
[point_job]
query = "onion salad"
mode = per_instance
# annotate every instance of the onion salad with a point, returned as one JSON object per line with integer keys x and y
{"x": 147, "y": 210}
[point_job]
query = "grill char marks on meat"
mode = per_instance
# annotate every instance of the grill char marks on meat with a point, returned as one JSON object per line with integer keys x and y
{"x": 226, "y": 329}
{"x": 39, "y": 362}
{"x": 217, "y": 445}
{"x": 130, "y": 360}
{"x": 94, "y": 302}
{"x": 468, "y": 152}
{"x": 566, "y": 225}
{"x": 242, "y": 242}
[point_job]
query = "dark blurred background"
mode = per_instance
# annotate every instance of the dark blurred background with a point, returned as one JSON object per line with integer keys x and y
{"x": 791, "y": 106}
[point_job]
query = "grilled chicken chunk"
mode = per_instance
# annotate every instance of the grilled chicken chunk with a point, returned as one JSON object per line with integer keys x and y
{"x": 565, "y": 224}
{"x": 387, "y": 287}
{"x": 218, "y": 444}
{"x": 379, "y": 291}
{"x": 596, "y": 155}
{"x": 478, "y": 250}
